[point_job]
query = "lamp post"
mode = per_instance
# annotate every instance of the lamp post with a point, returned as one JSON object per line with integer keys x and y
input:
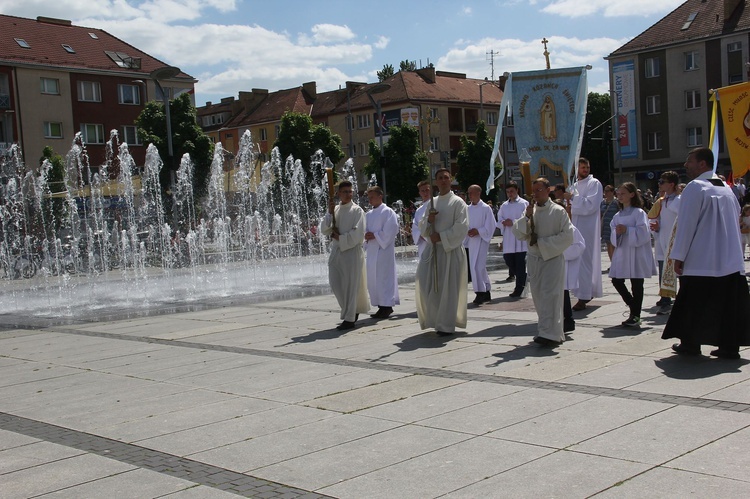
{"x": 165, "y": 73}
{"x": 377, "y": 89}
{"x": 481, "y": 97}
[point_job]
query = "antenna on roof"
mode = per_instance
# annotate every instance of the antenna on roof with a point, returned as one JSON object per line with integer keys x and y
{"x": 491, "y": 57}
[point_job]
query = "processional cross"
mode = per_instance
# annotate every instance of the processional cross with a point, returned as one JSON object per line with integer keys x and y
{"x": 546, "y": 53}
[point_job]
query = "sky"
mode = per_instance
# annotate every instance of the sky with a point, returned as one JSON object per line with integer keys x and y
{"x": 237, "y": 45}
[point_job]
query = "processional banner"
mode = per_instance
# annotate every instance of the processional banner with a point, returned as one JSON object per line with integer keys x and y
{"x": 548, "y": 108}
{"x": 734, "y": 102}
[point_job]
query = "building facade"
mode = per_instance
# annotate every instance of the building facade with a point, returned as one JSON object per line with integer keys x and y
{"x": 661, "y": 82}
{"x": 57, "y": 79}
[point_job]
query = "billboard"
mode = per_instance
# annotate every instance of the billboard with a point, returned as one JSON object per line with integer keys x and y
{"x": 623, "y": 75}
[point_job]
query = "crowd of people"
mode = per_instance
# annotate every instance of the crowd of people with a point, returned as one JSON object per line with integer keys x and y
{"x": 692, "y": 236}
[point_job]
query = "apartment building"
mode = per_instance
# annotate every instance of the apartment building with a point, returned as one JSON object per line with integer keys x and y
{"x": 662, "y": 80}
{"x": 57, "y": 79}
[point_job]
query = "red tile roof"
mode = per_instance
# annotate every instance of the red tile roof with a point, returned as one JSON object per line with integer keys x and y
{"x": 273, "y": 106}
{"x": 46, "y": 38}
{"x": 708, "y": 22}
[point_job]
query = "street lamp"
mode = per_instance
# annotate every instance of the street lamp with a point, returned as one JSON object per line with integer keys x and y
{"x": 377, "y": 89}
{"x": 165, "y": 73}
{"x": 481, "y": 97}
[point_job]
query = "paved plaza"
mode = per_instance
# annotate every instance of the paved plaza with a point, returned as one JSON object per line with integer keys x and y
{"x": 268, "y": 399}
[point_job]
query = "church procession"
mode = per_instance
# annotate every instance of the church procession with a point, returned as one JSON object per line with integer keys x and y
{"x": 690, "y": 236}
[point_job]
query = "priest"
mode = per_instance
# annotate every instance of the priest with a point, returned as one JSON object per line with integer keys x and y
{"x": 382, "y": 227}
{"x": 345, "y": 224}
{"x": 546, "y": 228}
{"x": 441, "y": 291}
{"x": 713, "y": 303}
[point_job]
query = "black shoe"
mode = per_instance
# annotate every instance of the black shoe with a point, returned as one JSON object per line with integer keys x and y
{"x": 382, "y": 313}
{"x": 510, "y": 278}
{"x": 545, "y": 342}
{"x": 516, "y": 294}
{"x": 632, "y": 321}
{"x": 443, "y": 333}
{"x": 686, "y": 350}
{"x": 569, "y": 325}
{"x": 487, "y": 297}
{"x": 478, "y": 299}
{"x": 345, "y": 325}
{"x": 725, "y": 354}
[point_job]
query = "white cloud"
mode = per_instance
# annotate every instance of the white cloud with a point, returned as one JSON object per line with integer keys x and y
{"x": 580, "y": 8}
{"x": 382, "y": 42}
{"x": 70, "y": 9}
{"x": 467, "y": 11}
{"x": 327, "y": 33}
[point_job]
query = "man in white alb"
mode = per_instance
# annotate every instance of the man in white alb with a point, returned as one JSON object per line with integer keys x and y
{"x": 380, "y": 247}
{"x": 425, "y": 192}
{"x": 481, "y": 228}
{"x": 514, "y": 250}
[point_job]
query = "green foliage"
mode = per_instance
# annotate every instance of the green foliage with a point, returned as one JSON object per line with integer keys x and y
{"x": 53, "y": 209}
{"x": 386, "y": 72}
{"x": 474, "y": 159}
{"x": 406, "y": 163}
{"x": 187, "y": 137}
{"x": 301, "y": 139}
{"x": 597, "y": 146}
{"x": 407, "y": 65}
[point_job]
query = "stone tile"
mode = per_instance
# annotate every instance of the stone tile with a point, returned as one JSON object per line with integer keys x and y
{"x": 434, "y": 403}
{"x": 439, "y": 472}
{"x": 693, "y": 377}
{"x": 137, "y": 483}
{"x": 666, "y": 435}
{"x": 559, "y": 474}
{"x": 738, "y": 392}
{"x": 348, "y": 460}
{"x": 200, "y": 492}
{"x": 659, "y": 483}
{"x": 564, "y": 366}
{"x": 10, "y": 440}
{"x": 60, "y": 474}
{"x": 576, "y": 423}
{"x": 29, "y": 372}
{"x": 726, "y": 457}
{"x": 33, "y": 454}
{"x": 220, "y": 434}
{"x": 504, "y": 411}
{"x": 283, "y": 445}
{"x": 632, "y": 371}
{"x": 382, "y": 393}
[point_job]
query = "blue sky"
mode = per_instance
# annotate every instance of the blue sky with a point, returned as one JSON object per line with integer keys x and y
{"x": 237, "y": 45}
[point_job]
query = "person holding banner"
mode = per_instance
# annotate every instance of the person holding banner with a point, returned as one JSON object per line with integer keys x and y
{"x": 661, "y": 220}
{"x": 713, "y": 303}
{"x": 425, "y": 192}
{"x": 548, "y": 231}
{"x": 345, "y": 224}
{"x": 585, "y": 202}
{"x": 477, "y": 241}
{"x": 442, "y": 283}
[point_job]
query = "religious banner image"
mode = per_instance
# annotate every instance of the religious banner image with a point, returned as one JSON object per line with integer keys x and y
{"x": 623, "y": 74}
{"x": 734, "y": 102}
{"x": 547, "y": 117}
{"x": 410, "y": 116}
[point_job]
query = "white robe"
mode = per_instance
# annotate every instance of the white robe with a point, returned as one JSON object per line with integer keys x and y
{"x": 346, "y": 263}
{"x": 416, "y": 234}
{"x": 482, "y": 219}
{"x": 512, "y": 210}
{"x": 445, "y": 309}
{"x": 666, "y": 218}
{"x": 585, "y": 211}
{"x": 633, "y": 258}
{"x": 572, "y": 257}
{"x": 546, "y": 265}
{"x": 707, "y": 239}
{"x": 382, "y": 281}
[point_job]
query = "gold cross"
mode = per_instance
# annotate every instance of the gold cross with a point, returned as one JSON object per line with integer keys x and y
{"x": 546, "y": 53}
{"x": 428, "y": 119}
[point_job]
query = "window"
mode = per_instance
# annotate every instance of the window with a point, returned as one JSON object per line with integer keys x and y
{"x": 130, "y": 136}
{"x": 492, "y": 117}
{"x": 653, "y": 104}
{"x": 652, "y": 67}
{"x": 89, "y": 91}
{"x": 735, "y": 78}
{"x": 434, "y": 144}
{"x": 93, "y": 35}
{"x": 653, "y": 141}
{"x": 734, "y": 47}
{"x": 510, "y": 144}
{"x": 68, "y": 48}
{"x": 129, "y": 94}
{"x": 362, "y": 149}
{"x": 509, "y": 120}
{"x": 53, "y": 130}
{"x": 694, "y": 137}
{"x": 433, "y": 113}
{"x": 22, "y": 43}
{"x": 691, "y": 60}
{"x": 263, "y": 134}
{"x": 363, "y": 121}
{"x": 276, "y": 130}
{"x": 689, "y": 21}
{"x": 50, "y": 86}
{"x": 92, "y": 134}
{"x": 692, "y": 99}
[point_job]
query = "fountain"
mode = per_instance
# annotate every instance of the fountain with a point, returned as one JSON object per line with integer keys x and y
{"x": 106, "y": 245}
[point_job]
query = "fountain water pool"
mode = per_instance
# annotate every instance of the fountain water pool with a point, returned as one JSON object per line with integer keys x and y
{"x": 107, "y": 244}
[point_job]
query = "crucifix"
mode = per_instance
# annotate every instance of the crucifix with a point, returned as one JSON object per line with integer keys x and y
{"x": 546, "y": 53}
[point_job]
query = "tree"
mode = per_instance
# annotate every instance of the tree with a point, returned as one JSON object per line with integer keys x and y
{"x": 597, "y": 142}
{"x": 386, "y": 72}
{"x": 187, "y": 137}
{"x": 474, "y": 159}
{"x": 300, "y": 138}
{"x": 405, "y": 163}
{"x": 407, "y": 65}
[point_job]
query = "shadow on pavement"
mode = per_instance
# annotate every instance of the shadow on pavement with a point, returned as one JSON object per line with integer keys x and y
{"x": 523, "y": 352}
{"x": 422, "y": 340}
{"x": 697, "y": 367}
{"x": 622, "y": 331}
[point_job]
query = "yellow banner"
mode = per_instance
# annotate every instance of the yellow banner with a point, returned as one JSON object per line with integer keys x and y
{"x": 734, "y": 102}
